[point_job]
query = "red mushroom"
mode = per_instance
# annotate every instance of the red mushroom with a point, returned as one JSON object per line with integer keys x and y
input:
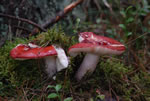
{"x": 94, "y": 46}
{"x": 55, "y": 57}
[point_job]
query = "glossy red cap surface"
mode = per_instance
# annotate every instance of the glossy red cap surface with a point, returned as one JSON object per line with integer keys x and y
{"x": 90, "y": 36}
{"x": 23, "y": 51}
{"x": 90, "y": 42}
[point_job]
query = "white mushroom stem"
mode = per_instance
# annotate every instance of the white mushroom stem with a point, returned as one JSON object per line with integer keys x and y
{"x": 88, "y": 65}
{"x": 56, "y": 63}
{"x": 50, "y": 63}
{"x": 62, "y": 60}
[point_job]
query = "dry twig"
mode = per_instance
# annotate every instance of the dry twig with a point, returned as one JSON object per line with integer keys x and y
{"x": 23, "y": 20}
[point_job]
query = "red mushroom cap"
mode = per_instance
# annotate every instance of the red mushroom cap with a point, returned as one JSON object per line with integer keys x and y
{"x": 23, "y": 51}
{"x": 91, "y": 37}
{"x": 93, "y": 43}
{"x": 97, "y": 48}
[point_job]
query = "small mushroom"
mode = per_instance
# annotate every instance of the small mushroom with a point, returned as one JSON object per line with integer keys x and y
{"x": 94, "y": 46}
{"x": 54, "y": 56}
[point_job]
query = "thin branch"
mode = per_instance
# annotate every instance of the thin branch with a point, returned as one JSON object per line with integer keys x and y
{"x": 117, "y": 98}
{"x": 24, "y": 20}
{"x": 138, "y": 61}
{"x": 61, "y": 14}
{"x": 132, "y": 41}
{"x": 97, "y": 4}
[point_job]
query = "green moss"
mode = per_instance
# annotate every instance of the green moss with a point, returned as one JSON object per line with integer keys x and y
{"x": 117, "y": 78}
{"x": 110, "y": 75}
{"x": 114, "y": 77}
{"x": 56, "y": 36}
{"x": 13, "y": 73}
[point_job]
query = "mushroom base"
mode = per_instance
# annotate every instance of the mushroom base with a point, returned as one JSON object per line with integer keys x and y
{"x": 88, "y": 65}
{"x": 50, "y": 64}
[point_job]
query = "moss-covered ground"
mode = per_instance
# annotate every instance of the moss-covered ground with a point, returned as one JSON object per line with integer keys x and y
{"x": 114, "y": 78}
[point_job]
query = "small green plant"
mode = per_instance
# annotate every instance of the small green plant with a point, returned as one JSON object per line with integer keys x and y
{"x": 100, "y": 96}
{"x": 128, "y": 18}
{"x": 131, "y": 20}
{"x": 57, "y": 94}
{"x": 77, "y": 25}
